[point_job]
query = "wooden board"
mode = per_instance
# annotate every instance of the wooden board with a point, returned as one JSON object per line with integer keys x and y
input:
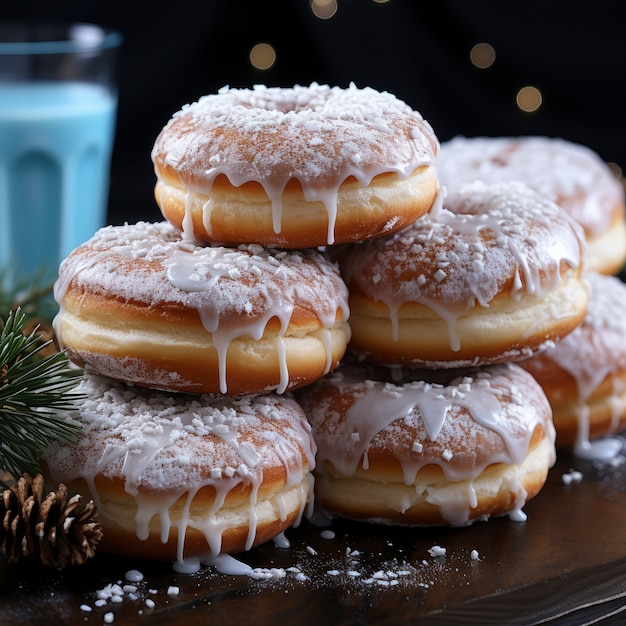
{"x": 565, "y": 565}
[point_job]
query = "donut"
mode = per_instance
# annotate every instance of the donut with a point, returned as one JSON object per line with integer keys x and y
{"x": 570, "y": 174}
{"x": 584, "y": 376}
{"x": 185, "y": 477}
{"x": 294, "y": 167}
{"x": 495, "y": 274}
{"x": 139, "y": 304}
{"x": 431, "y": 447}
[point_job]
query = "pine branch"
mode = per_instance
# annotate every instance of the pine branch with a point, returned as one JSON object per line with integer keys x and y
{"x": 34, "y": 390}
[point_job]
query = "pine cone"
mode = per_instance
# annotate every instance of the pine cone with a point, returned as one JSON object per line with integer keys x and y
{"x": 58, "y": 530}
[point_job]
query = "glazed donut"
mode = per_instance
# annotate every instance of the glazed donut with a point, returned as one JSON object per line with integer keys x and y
{"x": 570, "y": 174}
{"x": 428, "y": 448}
{"x": 494, "y": 275}
{"x": 294, "y": 167}
{"x": 138, "y": 304}
{"x": 584, "y": 376}
{"x": 185, "y": 478}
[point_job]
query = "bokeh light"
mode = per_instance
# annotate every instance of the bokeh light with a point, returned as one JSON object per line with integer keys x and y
{"x": 324, "y": 9}
{"x": 262, "y": 56}
{"x": 529, "y": 99}
{"x": 482, "y": 55}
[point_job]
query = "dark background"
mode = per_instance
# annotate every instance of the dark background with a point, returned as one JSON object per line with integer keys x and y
{"x": 174, "y": 52}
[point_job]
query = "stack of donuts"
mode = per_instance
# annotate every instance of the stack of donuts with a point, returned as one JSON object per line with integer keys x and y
{"x": 316, "y": 321}
{"x": 194, "y": 332}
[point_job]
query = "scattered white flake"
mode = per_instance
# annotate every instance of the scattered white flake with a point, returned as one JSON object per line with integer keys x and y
{"x": 474, "y": 555}
{"x": 573, "y": 476}
{"x": 86, "y": 608}
{"x": 355, "y": 437}
{"x": 263, "y": 573}
{"x": 108, "y": 618}
{"x": 172, "y": 590}
{"x": 447, "y": 455}
{"x": 311, "y": 550}
{"x": 440, "y": 275}
{"x": 134, "y": 576}
{"x": 437, "y": 551}
{"x": 327, "y": 534}
{"x": 333, "y": 572}
{"x": 417, "y": 446}
{"x": 150, "y": 603}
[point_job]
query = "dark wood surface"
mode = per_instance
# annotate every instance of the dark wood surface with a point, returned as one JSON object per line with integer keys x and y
{"x": 565, "y": 565}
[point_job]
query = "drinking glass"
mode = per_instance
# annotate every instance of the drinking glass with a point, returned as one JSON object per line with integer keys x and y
{"x": 58, "y": 105}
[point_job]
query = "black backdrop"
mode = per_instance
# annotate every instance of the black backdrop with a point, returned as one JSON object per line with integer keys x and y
{"x": 174, "y": 52}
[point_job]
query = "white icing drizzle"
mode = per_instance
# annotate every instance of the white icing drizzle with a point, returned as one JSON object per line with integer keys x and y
{"x": 420, "y": 422}
{"x": 317, "y": 135}
{"x": 236, "y": 291}
{"x": 167, "y": 447}
{"x": 461, "y": 257}
{"x": 567, "y": 173}
{"x": 592, "y": 353}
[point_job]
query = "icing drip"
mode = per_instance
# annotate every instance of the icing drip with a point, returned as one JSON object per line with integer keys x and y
{"x": 236, "y": 291}
{"x": 569, "y": 174}
{"x": 485, "y": 239}
{"x": 421, "y": 423}
{"x": 317, "y": 135}
{"x": 166, "y": 447}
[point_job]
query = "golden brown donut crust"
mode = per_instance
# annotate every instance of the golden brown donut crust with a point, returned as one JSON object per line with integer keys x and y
{"x": 258, "y": 321}
{"x": 295, "y": 167}
{"x": 495, "y": 275}
{"x": 176, "y": 477}
{"x": 244, "y": 213}
{"x": 385, "y": 456}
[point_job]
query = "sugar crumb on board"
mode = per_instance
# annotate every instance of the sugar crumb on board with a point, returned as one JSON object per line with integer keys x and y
{"x": 311, "y": 566}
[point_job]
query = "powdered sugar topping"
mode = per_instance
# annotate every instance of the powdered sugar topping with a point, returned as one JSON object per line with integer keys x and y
{"x": 485, "y": 239}
{"x": 317, "y": 135}
{"x": 570, "y": 174}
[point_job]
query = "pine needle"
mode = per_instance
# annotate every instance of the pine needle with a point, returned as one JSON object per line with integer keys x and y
{"x": 34, "y": 391}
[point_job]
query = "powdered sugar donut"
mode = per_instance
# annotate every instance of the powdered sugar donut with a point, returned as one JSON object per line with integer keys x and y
{"x": 570, "y": 174}
{"x": 431, "y": 447}
{"x": 495, "y": 274}
{"x": 584, "y": 376}
{"x": 139, "y": 304}
{"x": 294, "y": 167}
{"x": 186, "y": 478}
